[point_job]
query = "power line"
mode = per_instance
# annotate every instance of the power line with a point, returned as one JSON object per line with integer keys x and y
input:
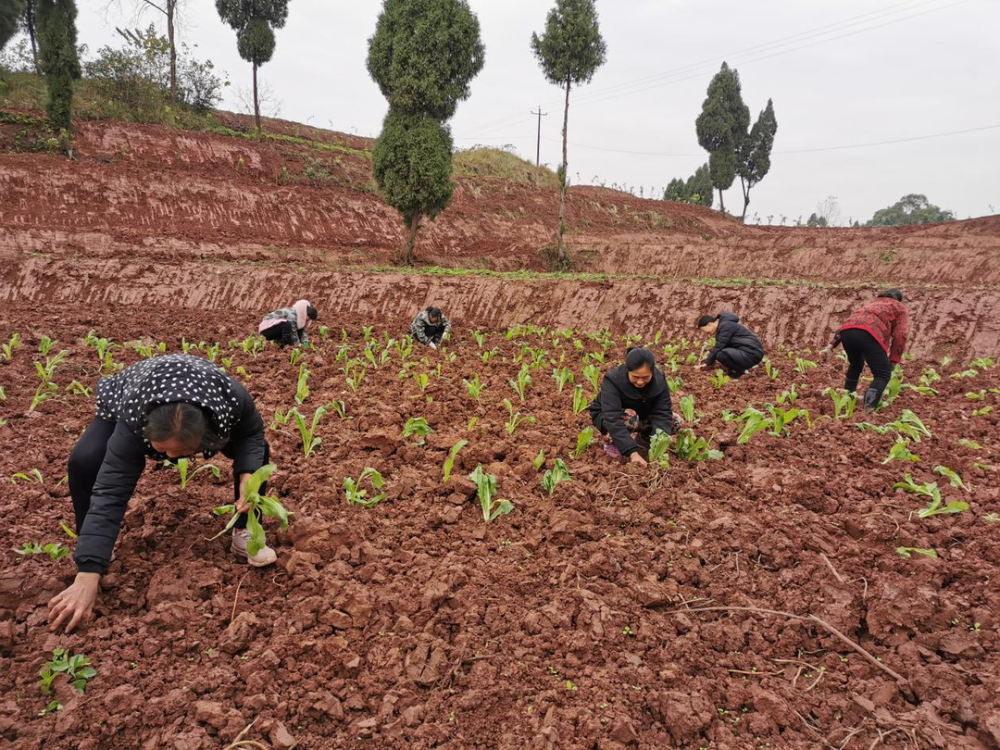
{"x": 782, "y": 41}
{"x": 800, "y": 150}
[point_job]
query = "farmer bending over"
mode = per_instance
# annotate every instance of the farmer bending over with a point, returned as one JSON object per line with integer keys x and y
{"x": 736, "y": 348}
{"x": 634, "y": 403}
{"x": 172, "y": 406}
{"x": 876, "y": 335}
{"x": 288, "y": 325}
{"x": 430, "y": 327}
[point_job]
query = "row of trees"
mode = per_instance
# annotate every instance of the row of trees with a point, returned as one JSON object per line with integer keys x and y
{"x": 735, "y": 149}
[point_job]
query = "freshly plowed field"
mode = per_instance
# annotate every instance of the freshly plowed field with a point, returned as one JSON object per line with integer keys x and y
{"x": 756, "y": 600}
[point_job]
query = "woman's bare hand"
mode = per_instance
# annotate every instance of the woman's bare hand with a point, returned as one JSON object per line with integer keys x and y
{"x": 75, "y": 604}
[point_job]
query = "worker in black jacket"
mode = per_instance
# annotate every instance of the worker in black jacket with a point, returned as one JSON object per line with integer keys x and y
{"x": 172, "y": 406}
{"x": 634, "y": 403}
{"x": 736, "y": 348}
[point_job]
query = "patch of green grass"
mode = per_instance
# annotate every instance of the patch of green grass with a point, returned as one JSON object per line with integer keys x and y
{"x": 481, "y": 161}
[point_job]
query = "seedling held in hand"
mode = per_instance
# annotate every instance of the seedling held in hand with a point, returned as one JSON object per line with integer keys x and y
{"x": 260, "y": 506}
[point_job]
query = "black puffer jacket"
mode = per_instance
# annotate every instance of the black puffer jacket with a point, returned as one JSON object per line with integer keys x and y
{"x": 651, "y": 404}
{"x": 734, "y": 335}
{"x": 126, "y": 399}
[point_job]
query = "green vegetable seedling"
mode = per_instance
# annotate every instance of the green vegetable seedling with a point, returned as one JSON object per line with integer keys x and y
{"x": 182, "y": 465}
{"x": 357, "y": 496}
{"x": 486, "y": 490}
{"x": 75, "y": 666}
{"x": 260, "y": 506}
{"x": 558, "y": 473}
{"x": 449, "y": 463}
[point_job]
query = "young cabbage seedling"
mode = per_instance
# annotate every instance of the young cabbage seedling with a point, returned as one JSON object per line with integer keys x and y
{"x": 900, "y": 451}
{"x": 417, "y": 426}
{"x": 310, "y": 441}
{"x": 907, "y": 552}
{"x": 659, "y": 449}
{"x": 516, "y": 419}
{"x": 357, "y": 496}
{"x": 844, "y": 403}
{"x": 486, "y": 490}
{"x": 182, "y": 465}
{"x": 261, "y": 506}
{"x": 54, "y": 550}
{"x": 32, "y": 475}
{"x": 580, "y": 402}
{"x": 952, "y": 476}
{"x": 804, "y": 365}
{"x": 719, "y": 380}
{"x": 76, "y": 667}
{"x": 522, "y": 382}
{"x": 552, "y": 477}
{"x": 302, "y": 389}
{"x": 562, "y": 376}
{"x": 687, "y": 409}
{"x": 583, "y": 441}
{"x": 930, "y": 490}
{"x": 449, "y": 463}
{"x": 473, "y": 387}
{"x": 539, "y": 461}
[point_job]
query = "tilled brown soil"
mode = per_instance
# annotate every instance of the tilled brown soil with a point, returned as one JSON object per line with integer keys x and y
{"x": 572, "y": 622}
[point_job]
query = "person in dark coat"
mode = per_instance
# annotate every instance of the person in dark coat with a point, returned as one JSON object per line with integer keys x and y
{"x": 736, "y": 348}
{"x": 288, "y": 325}
{"x": 874, "y": 335}
{"x": 634, "y": 403}
{"x": 173, "y": 406}
{"x": 430, "y": 327}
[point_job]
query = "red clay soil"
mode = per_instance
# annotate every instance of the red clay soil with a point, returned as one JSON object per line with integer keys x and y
{"x": 572, "y": 622}
{"x": 173, "y": 192}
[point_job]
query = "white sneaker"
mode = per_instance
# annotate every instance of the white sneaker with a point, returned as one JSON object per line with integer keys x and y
{"x": 266, "y": 556}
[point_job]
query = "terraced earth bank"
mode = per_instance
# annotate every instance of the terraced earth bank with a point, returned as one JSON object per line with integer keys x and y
{"x": 753, "y": 601}
{"x": 150, "y": 215}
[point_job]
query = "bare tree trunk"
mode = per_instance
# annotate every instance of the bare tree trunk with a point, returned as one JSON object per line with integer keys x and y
{"x": 256, "y": 101}
{"x": 29, "y": 25}
{"x": 722, "y": 202}
{"x": 746, "y": 199}
{"x": 565, "y": 176}
{"x": 411, "y": 240}
{"x": 171, "y": 6}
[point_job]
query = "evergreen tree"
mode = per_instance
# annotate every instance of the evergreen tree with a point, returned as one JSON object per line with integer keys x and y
{"x": 754, "y": 158}
{"x": 10, "y": 19}
{"x": 569, "y": 51}
{"x": 722, "y": 128}
{"x": 423, "y": 56}
{"x": 254, "y": 22}
{"x": 697, "y": 189}
{"x": 910, "y": 209}
{"x": 58, "y": 58}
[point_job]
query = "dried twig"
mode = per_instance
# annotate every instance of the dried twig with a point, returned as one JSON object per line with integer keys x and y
{"x": 236, "y": 597}
{"x": 832, "y": 569}
{"x": 239, "y": 743}
{"x": 808, "y": 618}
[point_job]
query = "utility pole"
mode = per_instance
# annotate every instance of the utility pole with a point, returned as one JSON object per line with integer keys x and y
{"x": 538, "y": 151}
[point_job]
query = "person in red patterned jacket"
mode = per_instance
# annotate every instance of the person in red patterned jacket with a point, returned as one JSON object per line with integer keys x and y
{"x": 874, "y": 335}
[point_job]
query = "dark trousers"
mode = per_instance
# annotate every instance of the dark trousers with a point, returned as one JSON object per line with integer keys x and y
{"x": 280, "y": 334}
{"x": 434, "y": 333}
{"x": 738, "y": 361}
{"x": 862, "y": 348}
{"x": 85, "y": 462}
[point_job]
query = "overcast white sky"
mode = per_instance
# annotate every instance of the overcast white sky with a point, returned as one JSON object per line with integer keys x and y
{"x": 840, "y": 73}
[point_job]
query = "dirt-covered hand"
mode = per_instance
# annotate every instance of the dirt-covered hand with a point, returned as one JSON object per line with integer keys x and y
{"x": 75, "y": 604}
{"x": 637, "y": 459}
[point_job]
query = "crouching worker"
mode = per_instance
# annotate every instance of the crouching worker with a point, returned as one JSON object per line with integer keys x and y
{"x": 634, "y": 403}
{"x": 288, "y": 325}
{"x": 172, "y": 406}
{"x": 430, "y": 327}
{"x": 736, "y": 348}
{"x": 874, "y": 335}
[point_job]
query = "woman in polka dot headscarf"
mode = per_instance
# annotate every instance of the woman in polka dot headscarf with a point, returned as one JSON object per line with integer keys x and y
{"x": 172, "y": 406}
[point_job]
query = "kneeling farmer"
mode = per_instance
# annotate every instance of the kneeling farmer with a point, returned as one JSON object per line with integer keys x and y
{"x": 736, "y": 348}
{"x": 172, "y": 406}
{"x": 430, "y": 327}
{"x": 634, "y": 404}
{"x": 288, "y": 325}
